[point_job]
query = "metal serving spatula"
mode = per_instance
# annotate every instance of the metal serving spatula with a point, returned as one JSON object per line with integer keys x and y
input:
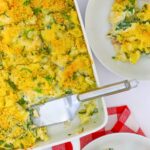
{"x": 65, "y": 108}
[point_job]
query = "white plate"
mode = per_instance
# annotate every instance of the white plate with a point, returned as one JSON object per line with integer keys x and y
{"x": 97, "y": 27}
{"x": 120, "y": 141}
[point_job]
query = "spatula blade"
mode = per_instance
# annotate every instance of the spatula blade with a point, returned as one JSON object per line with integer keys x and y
{"x": 56, "y": 111}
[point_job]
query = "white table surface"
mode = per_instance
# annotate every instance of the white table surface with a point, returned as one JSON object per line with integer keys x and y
{"x": 138, "y": 99}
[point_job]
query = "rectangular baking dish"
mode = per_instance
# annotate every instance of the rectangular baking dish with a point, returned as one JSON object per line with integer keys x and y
{"x": 62, "y": 133}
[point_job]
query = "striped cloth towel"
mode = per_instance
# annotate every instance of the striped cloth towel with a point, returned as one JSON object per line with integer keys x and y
{"x": 120, "y": 120}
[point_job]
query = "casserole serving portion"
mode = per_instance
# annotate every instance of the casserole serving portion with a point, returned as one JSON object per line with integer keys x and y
{"x": 130, "y": 30}
{"x": 42, "y": 55}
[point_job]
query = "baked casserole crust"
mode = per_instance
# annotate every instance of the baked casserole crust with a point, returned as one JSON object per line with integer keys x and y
{"x": 42, "y": 54}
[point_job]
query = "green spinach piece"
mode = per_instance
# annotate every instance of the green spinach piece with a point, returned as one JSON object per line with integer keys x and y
{"x": 1, "y": 142}
{"x": 132, "y": 2}
{"x": 74, "y": 76}
{"x": 22, "y": 102}
{"x": 9, "y": 146}
{"x": 37, "y": 11}
{"x": 130, "y": 9}
{"x": 68, "y": 91}
{"x": 26, "y": 69}
{"x": 82, "y": 111}
{"x": 66, "y": 16}
{"x": 1, "y": 65}
{"x": 38, "y": 90}
{"x": 27, "y": 2}
{"x": 113, "y": 57}
{"x": 22, "y": 146}
{"x": 123, "y": 25}
{"x": 12, "y": 84}
{"x": 49, "y": 26}
{"x": 46, "y": 50}
{"x": 49, "y": 79}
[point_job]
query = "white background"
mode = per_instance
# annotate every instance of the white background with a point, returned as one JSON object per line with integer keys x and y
{"x": 138, "y": 99}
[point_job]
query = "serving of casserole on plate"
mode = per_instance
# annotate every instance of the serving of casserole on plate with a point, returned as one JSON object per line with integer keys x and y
{"x": 128, "y": 42}
{"x": 42, "y": 55}
{"x": 130, "y": 31}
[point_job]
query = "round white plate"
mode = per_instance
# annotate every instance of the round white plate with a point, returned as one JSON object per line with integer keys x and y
{"x": 120, "y": 141}
{"x": 97, "y": 27}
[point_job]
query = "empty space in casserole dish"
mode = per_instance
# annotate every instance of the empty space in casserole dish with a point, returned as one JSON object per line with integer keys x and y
{"x": 68, "y": 131}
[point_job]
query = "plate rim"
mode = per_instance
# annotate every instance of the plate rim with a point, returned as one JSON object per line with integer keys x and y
{"x": 117, "y": 134}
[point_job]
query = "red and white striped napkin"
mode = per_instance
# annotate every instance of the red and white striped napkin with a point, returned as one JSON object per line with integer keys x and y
{"x": 120, "y": 120}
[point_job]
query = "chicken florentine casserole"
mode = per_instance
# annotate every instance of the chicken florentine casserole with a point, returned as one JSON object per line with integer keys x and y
{"x": 42, "y": 54}
{"x": 130, "y": 31}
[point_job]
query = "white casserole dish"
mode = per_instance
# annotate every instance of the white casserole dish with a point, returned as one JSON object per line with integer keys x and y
{"x": 61, "y": 133}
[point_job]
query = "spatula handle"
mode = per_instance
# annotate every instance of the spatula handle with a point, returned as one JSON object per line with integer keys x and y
{"x": 108, "y": 90}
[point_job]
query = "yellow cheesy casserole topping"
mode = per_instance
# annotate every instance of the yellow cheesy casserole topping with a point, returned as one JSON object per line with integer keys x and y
{"x": 130, "y": 32}
{"x": 42, "y": 54}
